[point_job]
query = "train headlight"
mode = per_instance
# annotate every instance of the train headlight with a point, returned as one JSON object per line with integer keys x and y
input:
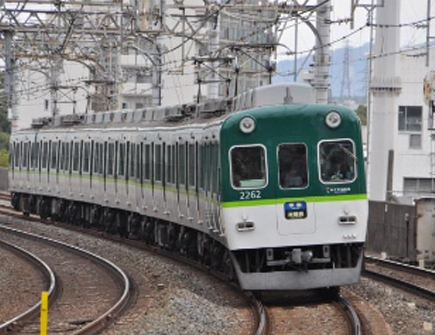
{"x": 333, "y": 119}
{"x": 247, "y": 125}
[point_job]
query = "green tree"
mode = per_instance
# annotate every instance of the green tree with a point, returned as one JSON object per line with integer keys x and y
{"x": 4, "y": 158}
{"x": 361, "y": 111}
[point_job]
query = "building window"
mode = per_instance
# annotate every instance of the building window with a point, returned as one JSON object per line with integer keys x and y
{"x": 414, "y": 141}
{"x": 410, "y": 118}
{"x": 418, "y": 186}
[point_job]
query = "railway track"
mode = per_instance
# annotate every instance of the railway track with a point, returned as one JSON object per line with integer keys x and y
{"x": 262, "y": 315}
{"x": 49, "y": 285}
{"x": 308, "y": 312}
{"x": 258, "y": 312}
{"x": 91, "y": 292}
{"x": 409, "y": 278}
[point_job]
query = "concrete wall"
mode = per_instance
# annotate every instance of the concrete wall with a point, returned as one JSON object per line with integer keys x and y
{"x": 4, "y": 182}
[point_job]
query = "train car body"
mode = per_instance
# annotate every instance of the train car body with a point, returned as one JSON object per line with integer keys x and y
{"x": 273, "y": 194}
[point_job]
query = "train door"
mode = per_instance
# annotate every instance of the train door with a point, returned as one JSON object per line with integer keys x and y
{"x": 295, "y": 208}
{"x": 129, "y": 173}
{"x": 159, "y": 178}
{"x": 110, "y": 193}
{"x": 85, "y": 173}
{"x": 171, "y": 194}
{"x": 182, "y": 189}
{"x": 44, "y": 165}
{"x": 76, "y": 170}
{"x": 54, "y": 168}
{"x": 122, "y": 173}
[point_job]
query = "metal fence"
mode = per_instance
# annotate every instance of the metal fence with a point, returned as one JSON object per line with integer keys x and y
{"x": 392, "y": 229}
{"x": 4, "y": 182}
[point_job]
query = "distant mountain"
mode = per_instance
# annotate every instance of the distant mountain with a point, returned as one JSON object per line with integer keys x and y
{"x": 357, "y": 71}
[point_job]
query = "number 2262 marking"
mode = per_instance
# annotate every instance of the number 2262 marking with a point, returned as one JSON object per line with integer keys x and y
{"x": 247, "y": 195}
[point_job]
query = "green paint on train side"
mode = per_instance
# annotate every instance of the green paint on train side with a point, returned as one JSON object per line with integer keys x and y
{"x": 291, "y": 124}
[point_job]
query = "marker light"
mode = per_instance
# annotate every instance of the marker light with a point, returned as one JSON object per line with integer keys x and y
{"x": 333, "y": 119}
{"x": 247, "y": 125}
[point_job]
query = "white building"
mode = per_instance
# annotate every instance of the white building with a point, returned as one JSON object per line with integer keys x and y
{"x": 414, "y": 147}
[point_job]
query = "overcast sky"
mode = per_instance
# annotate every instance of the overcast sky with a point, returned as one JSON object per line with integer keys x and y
{"x": 411, "y": 10}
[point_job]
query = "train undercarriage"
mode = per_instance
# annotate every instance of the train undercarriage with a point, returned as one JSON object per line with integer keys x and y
{"x": 286, "y": 268}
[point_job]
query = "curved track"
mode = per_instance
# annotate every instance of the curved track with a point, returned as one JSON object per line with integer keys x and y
{"x": 259, "y": 323}
{"x": 406, "y": 277}
{"x": 68, "y": 304}
{"x": 49, "y": 285}
{"x": 310, "y": 313}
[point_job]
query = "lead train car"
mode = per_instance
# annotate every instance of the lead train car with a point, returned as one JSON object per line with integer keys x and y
{"x": 272, "y": 195}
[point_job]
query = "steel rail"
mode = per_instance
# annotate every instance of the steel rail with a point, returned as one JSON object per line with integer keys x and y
{"x": 101, "y": 322}
{"x": 401, "y": 284}
{"x": 49, "y": 277}
{"x": 256, "y": 305}
{"x": 352, "y": 314}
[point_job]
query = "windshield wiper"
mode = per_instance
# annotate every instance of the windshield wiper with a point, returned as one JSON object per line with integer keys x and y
{"x": 348, "y": 152}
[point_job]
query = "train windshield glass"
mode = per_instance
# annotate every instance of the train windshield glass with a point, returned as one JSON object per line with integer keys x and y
{"x": 248, "y": 167}
{"x": 292, "y": 165}
{"x": 337, "y": 161}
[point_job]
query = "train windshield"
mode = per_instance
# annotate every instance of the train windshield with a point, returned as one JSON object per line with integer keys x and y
{"x": 337, "y": 161}
{"x": 248, "y": 167}
{"x": 292, "y": 165}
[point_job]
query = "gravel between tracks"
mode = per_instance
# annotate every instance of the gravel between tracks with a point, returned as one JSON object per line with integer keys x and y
{"x": 20, "y": 285}
{"x": 406, "y": 314}
{"x": 172, "y": 299}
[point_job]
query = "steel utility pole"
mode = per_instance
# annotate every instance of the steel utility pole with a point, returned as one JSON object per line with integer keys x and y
{"x": 322, "y": 59}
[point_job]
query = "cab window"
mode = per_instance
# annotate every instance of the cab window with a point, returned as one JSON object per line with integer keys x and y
{"x": 292, "y": 160}
{"x": 337, "y": 161}
{"x": 248, "y": 167}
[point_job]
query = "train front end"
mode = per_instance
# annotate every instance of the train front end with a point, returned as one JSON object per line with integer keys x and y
{"x": 294, "y": 202}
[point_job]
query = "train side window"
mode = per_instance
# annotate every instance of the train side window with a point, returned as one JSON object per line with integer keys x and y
{"x": 169, "y": 165}
{"x": 96, "y": 158}
{"x": 182, "y": 164}
{"x": 44, "y": 155}
{"x": 61, "y": 156}
{"x": 207, "y": 169}
{"x": 158, "y": 162}
{"x": 203, "y": 166}
{"x": 68, "y": 148}
{"x": 337, "y": 161}
{"x": 86, "y": 157}
{"x": 110, "y": 156}
{"x": 132, "y": 160}
{"x": 215, "y": 165}
{"x": 192, "y": 165}
{"x": 147, "y": 165}
{"x": 25, "y": 155}
{"x": 17, "y": 155}
{"x": 139, "y": 163}
{"x": 11, "y": 156}
{"x": 121, "y": 160}
{"x": 248, "y": 167}
{"x": 292, "y": 163}
{"x": 173, "y": 166}
{"x": 115, "y": 171}
{"x": 53, "y": 156}
{"x": 32, "y": 155}
{"x": 76, "y": 157}
{"x": 101, "y": 159}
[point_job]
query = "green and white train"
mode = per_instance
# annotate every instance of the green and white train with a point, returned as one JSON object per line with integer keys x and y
{"x": 267, "y": 187}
